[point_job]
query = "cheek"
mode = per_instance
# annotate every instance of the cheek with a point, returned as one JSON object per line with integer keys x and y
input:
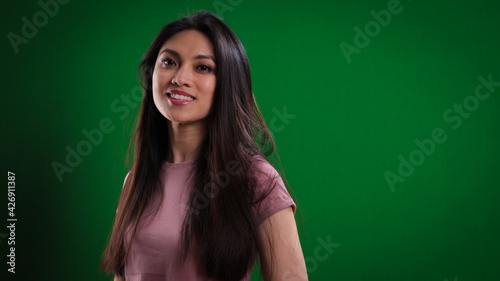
{"x": 208, "y": 87}
{"x": 158, "y": 80}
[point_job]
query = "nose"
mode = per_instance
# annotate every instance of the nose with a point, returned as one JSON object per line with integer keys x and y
{"x": 182, "y": 77}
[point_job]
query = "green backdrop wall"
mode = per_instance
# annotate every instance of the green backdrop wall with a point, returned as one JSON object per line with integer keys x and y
{"x": 386, "y": 115}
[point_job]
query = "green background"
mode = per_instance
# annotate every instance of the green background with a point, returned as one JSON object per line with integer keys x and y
{"x": 350, "y": 123}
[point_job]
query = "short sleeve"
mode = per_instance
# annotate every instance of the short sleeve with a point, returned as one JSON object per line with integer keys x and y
{"x": 269, "y": 182}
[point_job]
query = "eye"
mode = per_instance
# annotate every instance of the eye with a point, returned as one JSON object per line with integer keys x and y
{"x": 168, "y": 62}
{"x": 204, "y": 68}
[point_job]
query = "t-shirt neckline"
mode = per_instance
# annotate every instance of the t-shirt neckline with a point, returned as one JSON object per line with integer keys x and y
{"x": 180, "y": 165}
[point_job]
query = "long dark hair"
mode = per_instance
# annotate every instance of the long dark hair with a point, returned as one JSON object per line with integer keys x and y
{"x": 223, "y": 225}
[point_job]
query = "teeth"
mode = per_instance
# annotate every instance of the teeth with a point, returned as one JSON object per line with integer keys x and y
{"x": 180, "y": 97}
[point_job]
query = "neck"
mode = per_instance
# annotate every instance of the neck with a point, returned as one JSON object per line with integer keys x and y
{"x": 184, "y": 140}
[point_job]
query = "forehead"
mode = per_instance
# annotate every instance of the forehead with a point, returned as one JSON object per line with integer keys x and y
{"x": 189, "y": 43}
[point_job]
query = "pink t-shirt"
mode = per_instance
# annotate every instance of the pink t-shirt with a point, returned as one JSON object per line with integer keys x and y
{"x": 156, "y": 245}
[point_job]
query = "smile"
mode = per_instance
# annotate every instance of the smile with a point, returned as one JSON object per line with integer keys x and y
{"x": 179, "y": 97}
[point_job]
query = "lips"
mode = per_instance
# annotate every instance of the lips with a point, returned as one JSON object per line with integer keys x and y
{"x": 177, "y": 97}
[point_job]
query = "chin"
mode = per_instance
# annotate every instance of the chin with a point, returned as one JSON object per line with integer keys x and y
{"x": 181, "y": 119}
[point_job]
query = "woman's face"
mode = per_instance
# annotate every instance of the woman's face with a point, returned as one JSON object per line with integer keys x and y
{"x": 184, "y": 77}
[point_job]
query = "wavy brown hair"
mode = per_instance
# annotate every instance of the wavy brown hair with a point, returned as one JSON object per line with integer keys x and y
{"x": 222, "y": 226}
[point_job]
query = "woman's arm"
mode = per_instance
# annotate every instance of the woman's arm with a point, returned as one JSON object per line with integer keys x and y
{"x": 281, "y": 241}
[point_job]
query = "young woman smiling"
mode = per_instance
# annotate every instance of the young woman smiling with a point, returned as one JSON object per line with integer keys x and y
{"x": 201, "y": 201}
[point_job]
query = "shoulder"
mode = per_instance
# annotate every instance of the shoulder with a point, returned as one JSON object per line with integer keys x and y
{"x": 271, "y": 194}
{"x": 126, "y": 177}
{"x": 123, "y": 185}
{"x": 262, "y": 169}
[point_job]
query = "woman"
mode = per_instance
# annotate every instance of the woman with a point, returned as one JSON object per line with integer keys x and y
{"x": 201, "y": 201}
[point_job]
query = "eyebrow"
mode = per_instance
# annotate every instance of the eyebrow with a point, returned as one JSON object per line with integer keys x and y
{"x": 198, "y": 57}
